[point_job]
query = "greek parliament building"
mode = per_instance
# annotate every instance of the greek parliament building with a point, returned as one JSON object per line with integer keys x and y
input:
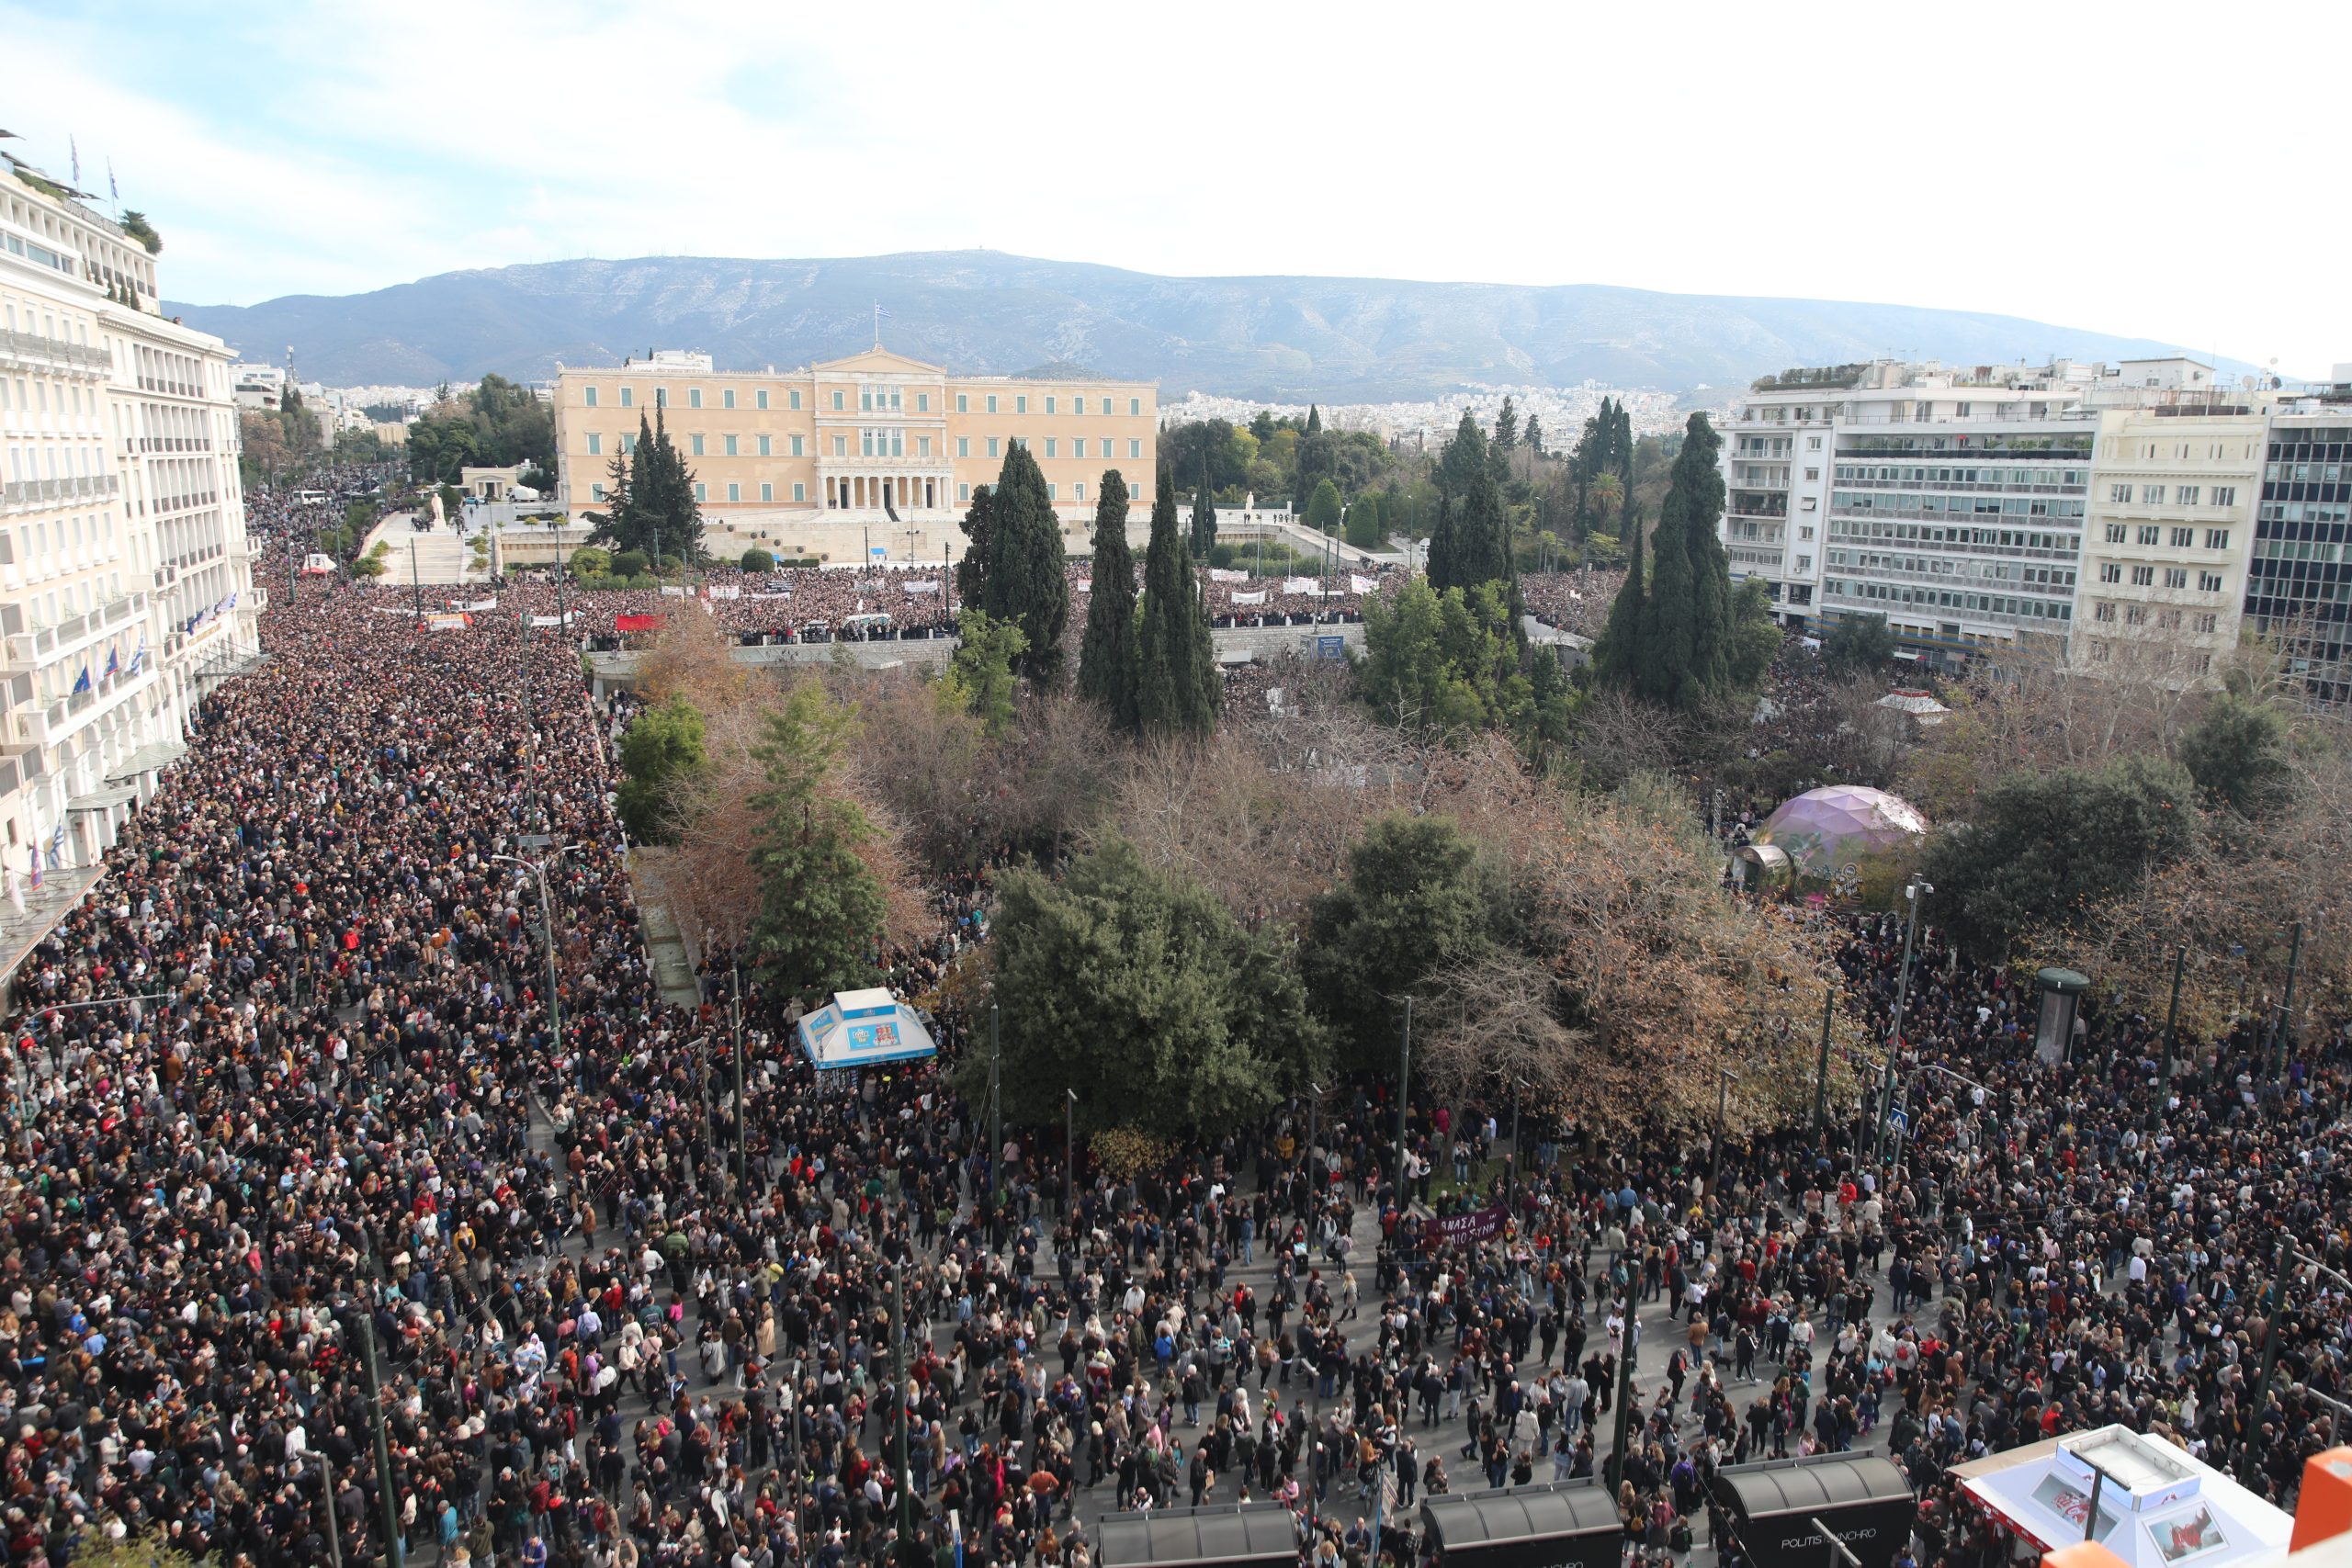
{"x": 853, "y": 440}
{"x": 125, "y": 591}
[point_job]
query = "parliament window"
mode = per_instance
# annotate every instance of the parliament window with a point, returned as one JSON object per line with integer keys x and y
{"x": 797, "y": 443}
{"x": 727, "y": 397}
{"x": 796, "y": 397}
{"x": 799, "y": 490}
{"x": 767, "y": 491}
{"x": 694, "y": 397}
{"x": 963, "y": 402}
{"x": 591, "y": 392}
{"x": 734, "y": 492}
{"x": 628, "y": 397}
{"x": 766, "y": 450}
{"x": 596, "y": 445}
{"x": 702, "y": 492}
{"x": 761, "y": 398}
{"x": 731, "y": 445}
{"x": 697, "y": 445}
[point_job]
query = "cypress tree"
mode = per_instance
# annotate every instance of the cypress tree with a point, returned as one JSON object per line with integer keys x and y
{"x": 972, "y": 572}
{"x": 1666, "y": 632}
{"x": 1314, "y": 421}
{"x": 1694, "y": 502}
{"x": 1475, "y": 528}
{"x": 1106, "y": 657}
{"x": 1025, "y": 582}
{"x": 1618, "y": 655}
{"x": 1173, "y": 693}
{"x": 1203, "y": 515}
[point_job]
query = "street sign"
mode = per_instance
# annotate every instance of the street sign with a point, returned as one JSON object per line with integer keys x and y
{"x": 1898, "y": 1120}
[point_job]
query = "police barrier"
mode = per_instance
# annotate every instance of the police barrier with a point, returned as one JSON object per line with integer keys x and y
{"x": 1568, "y": 1524}
{"x": 1772, "y": 1509}
{"x": 1254, "y": 1535}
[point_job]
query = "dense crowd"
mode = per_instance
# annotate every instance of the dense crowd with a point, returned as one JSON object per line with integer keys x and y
{"x": 319, "y": 1126}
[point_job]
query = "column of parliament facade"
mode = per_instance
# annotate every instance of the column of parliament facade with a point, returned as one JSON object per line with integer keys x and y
{"x": 852, "y": 439}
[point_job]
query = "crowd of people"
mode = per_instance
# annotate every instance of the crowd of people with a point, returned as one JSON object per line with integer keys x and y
{"x": 365, "y": 1184}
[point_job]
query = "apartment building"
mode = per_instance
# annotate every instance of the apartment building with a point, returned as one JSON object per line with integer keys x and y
{"x": 125, "y": 589}
{"x": 857, "y": 439}
{"x": 2170, "y": 529}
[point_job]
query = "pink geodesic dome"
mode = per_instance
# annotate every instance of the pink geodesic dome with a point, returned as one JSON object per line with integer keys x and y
{"x": 1823, "y": 830}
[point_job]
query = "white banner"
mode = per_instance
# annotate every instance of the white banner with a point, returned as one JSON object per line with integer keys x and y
{"x": 1083, "y": 587}
{"x": 727, "y": 591}
{"x": 489, "y": 603}
{"x": 1299, "y": 585}
{"x": 670, "y": 592}
{"x": 1359, "y": 584}
{"x": 1257, "y": 598}
{"x": 930, "y": 587}
{"x": 393, "y": 609}
{"x": 553, "y": 620}
{"x": 1220, "y": 574}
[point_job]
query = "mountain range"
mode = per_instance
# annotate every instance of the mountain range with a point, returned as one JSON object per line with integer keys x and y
{"x": 1281, "y": 339}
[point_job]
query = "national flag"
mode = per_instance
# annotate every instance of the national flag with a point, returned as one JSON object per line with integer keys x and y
{"x": 82, "y": 681}
{"x": 36, "y": 875}
{"x": 76, "y": 148}
{"x": 113, "y": 662}
{"x": 139, "y": 656}
{"x": 113, "y": 191}
{"x": 16, "y": 891}
{"x": 881, "y": 311}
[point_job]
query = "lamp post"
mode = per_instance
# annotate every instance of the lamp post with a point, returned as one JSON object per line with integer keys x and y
{"x": 1724, "y": 1078}
{"x": 1404, "y": 1076}
{"x": 547, "y": 935}
{"x": 1313, "y": 1127}
{"x": 2172, "y": 1023}
{"x": 996, "y": 1119}
{"x": 1821, "y": 1071}
{"x": 2278, "y": 1040}
{"x": 742, "y": 1115}
{"x": 1914, "y": 892}
{"x": 1510, "y": 1166}
{"x": 1069, "y": 1147}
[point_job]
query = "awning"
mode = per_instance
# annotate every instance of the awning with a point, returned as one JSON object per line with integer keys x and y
{"x": 1867, "y": 1503}
{"x": 1568, "y": 1524}
{"x": 147, "y": 758}
{"x": 1196, "y": 1538}
{"x": 105, "y": 799}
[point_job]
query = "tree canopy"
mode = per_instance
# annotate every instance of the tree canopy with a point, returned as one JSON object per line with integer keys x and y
{"x": 1139, "y": 991}
{"x": 650, "y": 502}
{"x": 660, "y": 749}
{"x": 1179, "y": 686}
{"x": 1022, "y": 581}
{"x": 820, "y": 910}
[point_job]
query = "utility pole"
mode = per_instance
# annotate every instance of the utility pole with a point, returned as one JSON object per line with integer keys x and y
{"x": 1510, "y": 1166}
{"x": 1314, "y": 1124}
{"x": 530, "y": 732}
{"x": 1404, "y": 1076}
{"x": 996, "y": 1117}
{"x": 1069, "y": 1147}
{"x": 1821, "y": 1071}
{"x": 1916, "y": 891}
{"x": 899, "y": 1395}
{"x": 1616, "y": 1466}
{"x": 2269, "y": 1341}
{"x": 415, "y": 584}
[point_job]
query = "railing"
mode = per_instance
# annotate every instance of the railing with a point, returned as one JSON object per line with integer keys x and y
{"x": 37, "y": 492}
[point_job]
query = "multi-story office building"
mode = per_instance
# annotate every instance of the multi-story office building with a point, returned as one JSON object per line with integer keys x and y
{"x": 2170, "y": 525}
{"x": 1975, "y": 510}
{"x": 852, "y": 439}
{"x": 1948, "y": 501}
{"x": 2299, "y": 584}
{"x": 124, "y": 584}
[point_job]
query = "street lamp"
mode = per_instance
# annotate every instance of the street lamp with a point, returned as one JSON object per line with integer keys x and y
{"x": 1913, "y": 1077}
{"x": 1069, "y": 1146}
{"x": 1510, "y": 1166}
{"x": 538, "y": 869}
{"x": 1914, "y": 893}
{"x": 1724, "y": 1078}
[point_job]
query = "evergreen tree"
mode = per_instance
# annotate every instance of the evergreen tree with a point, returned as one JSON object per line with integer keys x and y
{"x": 1323, "y": 508}
{"x": 821, "y": 906}
{"x": 1364, "y": 521}
{"x": 1476, "y": 529}
{"x": 1175, "y": 661}
{"x": 1667, "y": 632}
{"x": 1507, "y": 426}
{"x": 1618, "y": 656}
{"x": 1204, "y": 517}
{"x": 972, "y": 572}
{"x": 1106, "y": 658}
{"x": 1695, "y": 501}
{"x": 1314, "y": 420}
{"x": 1535, "y": 435}
{"x": 1024, "y": 581}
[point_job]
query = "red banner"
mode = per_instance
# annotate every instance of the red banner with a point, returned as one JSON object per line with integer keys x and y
{"x": 638, "y": 623}
{"x": 1475, "y": 1225}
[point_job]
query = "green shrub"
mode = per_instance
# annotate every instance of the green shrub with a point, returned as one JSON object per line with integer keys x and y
{"x": 590, "y": 561}
{"x": 757, "y": 559}
{"x": 629, "y": 563}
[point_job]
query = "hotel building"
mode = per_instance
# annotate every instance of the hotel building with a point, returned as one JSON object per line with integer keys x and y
{"x": 852, "y": 440}
{"x": 125, "y": 587}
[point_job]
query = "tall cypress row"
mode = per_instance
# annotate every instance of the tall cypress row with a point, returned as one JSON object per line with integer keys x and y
{"x": 1694, "y": 499}
{"x": 1203, "y": 516}
{"x": 1173, "y": 693}
{"x": 1618, "y": 656}
{"x": 1667, "y": 632}
{"x": 1106, "y": 657}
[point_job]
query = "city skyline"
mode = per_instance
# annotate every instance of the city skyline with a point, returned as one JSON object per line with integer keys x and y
{"x": 328, "y": 152}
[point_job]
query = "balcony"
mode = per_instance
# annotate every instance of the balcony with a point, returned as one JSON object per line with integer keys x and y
{"x": 17, "y": 495}
{"x": 34, "y": 352}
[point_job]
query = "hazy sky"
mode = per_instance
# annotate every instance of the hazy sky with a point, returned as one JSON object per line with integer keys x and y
{"x": 2151, "y": 169}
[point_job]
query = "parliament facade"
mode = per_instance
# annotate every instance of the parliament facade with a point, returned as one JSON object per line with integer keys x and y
{"x": 854, "y": 439}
